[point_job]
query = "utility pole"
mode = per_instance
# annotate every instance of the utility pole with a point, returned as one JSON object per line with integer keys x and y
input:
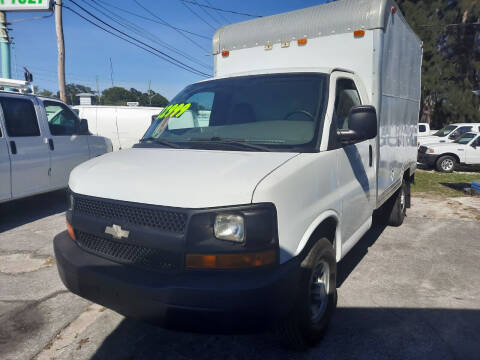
{"x": 111, "y": 70}
{"x": 61, "y": 50}
{"x": 98, "y": 90}
{"x": 5, "y": 46}
{"x": 149, "y": 90}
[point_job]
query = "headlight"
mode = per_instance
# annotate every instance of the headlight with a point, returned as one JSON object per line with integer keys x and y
{"x": 431, "y": 151}
{"x": 229, "y": 227}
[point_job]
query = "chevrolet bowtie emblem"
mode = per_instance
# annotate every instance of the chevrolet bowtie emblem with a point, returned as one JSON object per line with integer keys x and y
{"x": 117, "y": 232}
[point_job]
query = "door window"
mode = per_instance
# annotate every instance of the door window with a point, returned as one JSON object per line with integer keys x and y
{"x": 20, "y": 117}
{"x": 346, "y": 97}
{"x": 460, "y": 131}
{"x": 61, "y": 120}
{"x": 422, "y": 128}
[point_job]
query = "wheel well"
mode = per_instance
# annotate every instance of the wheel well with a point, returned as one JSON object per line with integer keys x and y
{"x": 327, "y": 228}
{"x": 452, "y": 155}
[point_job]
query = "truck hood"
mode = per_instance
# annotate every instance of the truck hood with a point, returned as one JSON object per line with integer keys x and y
{"x": 445, "y": 146}
{"x": 176, "y": 177}
{"x": 430, "y": 139}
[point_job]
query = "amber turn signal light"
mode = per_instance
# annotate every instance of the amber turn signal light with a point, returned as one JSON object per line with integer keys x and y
{"x": 301, "y": 42}
{"x": 70, "y": 231}
{"x": 225, "y": 53}
{"x": 359, "y": 33}
{"x": 231, "y": 261}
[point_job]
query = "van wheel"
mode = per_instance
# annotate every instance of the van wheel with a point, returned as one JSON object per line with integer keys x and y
{"x": 399, "y": 208}
{"x": 446, "y": 164}
{"x": 316, "y": 299}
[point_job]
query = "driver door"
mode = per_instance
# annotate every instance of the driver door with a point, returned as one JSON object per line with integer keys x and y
{"x": 355, "y": 162}
{"x": 472, "y": 152}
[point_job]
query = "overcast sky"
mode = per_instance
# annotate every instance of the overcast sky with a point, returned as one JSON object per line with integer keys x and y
{"x": 88, "y": 49}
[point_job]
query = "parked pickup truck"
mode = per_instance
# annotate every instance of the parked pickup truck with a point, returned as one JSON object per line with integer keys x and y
{"x": 444, "y": 157}
{"x": 233, "y": 211}
{"x": 41, "y": 141}
{"x": 423, "y": 129}
{"x": 448, "y": 134}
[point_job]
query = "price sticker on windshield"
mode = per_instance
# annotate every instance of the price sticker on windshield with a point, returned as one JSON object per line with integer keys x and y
{"x": 172, "y": 110}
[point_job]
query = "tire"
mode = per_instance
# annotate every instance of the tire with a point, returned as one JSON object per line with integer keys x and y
{"x": 308, "y": 321}
{"x": 446, "y": 164}
{"x": 399, "y": 208}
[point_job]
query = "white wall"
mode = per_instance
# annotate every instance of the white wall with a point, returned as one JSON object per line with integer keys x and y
{"x": 132, "y": 122}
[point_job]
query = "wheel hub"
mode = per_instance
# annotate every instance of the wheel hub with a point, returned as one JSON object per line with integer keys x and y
{"x": 319, "y": 290}
{"x": 447, "y": 164}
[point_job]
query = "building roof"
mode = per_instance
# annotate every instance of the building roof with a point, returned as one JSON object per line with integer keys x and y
{"x": 322, "y": 20}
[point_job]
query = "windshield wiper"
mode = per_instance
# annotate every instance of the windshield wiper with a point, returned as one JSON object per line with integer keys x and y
{"x": 243, "y": 143}
{"x": 161, "y": 142}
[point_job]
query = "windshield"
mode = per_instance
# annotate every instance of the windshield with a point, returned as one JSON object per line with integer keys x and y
{"x": 465, "y": 138}
{"x": 445, "y": 131}
{"x": 275, "y": 111}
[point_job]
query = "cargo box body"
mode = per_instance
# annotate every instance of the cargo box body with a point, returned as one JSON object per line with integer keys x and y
{"x": 386, "y": 55}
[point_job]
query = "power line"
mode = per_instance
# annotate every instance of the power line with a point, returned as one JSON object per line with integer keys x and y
{"x": 207, "y": 13}
{"x": 144, "y": 32}
{"x": 196, "y": 14}
{"x": 220, "y": 14}
{"x": 167, "y": 24}
{"x": 160, "y": 21}
{"x": 218, "y": 9}
{"x": 161, "y": 55}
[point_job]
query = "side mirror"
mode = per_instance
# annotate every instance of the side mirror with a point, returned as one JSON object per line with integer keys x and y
{"x": 83, "y": 129}
{"x": 362, "y": 125}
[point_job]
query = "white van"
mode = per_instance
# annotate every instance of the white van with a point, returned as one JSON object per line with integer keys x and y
{"x": 234, "y": 210}
{"x": 41, "y": 141}
{"x": 123, "y": 125}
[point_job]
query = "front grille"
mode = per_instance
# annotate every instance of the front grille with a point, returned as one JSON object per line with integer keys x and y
{"x": 130, "y": 254}
{"x": 422, "y": 149}
{"x": 165, "y": 220}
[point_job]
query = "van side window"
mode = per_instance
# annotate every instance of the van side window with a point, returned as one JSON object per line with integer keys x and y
{"x": 422, "y": 128}
{"x": 346, "y": 97}
{"x": 20, "y": 117}
{"x": 61, "y": 120}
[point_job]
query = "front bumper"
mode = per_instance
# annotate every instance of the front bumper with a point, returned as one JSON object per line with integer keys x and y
{"x": 427, "y": 159}
{"x": 205, "y": 301}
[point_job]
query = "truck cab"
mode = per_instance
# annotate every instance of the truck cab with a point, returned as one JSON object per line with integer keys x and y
{"x": 41, "y": 141}
{"x": 465, "y": 150}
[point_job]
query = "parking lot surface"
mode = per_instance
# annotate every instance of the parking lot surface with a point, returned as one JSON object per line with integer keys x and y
{"x": 411, "y": 292}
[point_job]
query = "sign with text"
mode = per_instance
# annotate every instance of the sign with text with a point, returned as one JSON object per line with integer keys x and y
{"x": 26, "y": 5}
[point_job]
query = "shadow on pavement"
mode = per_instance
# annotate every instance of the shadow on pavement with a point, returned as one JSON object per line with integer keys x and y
{"x": 19, "y": 212}
{"x": 355, "y": 333}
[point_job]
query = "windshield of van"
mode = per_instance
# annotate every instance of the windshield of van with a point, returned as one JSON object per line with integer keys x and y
{"x": 262, "y": 112}
{"x": 465, "y": 138}
{"x": 445, "y": 131}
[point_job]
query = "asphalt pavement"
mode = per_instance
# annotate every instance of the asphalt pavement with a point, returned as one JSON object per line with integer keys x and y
{"x": 411, "y": 292}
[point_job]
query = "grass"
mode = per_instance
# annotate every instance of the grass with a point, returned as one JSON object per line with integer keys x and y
{"x": 435, "y": 183}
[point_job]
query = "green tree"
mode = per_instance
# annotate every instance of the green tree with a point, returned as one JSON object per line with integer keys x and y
{"x": 72, "y": 90}
{"x": 449, "y": 30}
{"x": 119, "y": 96}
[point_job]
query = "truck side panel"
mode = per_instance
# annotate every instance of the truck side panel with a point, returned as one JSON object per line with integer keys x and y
{"x": 400, "y": 77}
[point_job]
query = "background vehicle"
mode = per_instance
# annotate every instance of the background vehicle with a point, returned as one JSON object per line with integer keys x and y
{"x": 444, "y": 157}
{"x": 423, "y": 129}
{"x": 41, "y": 141}
{"x": 448, "y": 134}
{"x": 257, "y": 182}
{"x": 124, "y": 125}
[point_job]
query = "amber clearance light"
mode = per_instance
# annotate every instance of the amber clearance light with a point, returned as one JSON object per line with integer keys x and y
{"x": 70, "y": 231}
{"x": 231, "y": 261}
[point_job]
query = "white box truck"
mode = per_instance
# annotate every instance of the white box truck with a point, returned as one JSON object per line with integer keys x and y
{"x": 235, "y": 208}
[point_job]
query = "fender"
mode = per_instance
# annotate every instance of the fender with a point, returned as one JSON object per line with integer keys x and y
{"x": 314, "y": 225}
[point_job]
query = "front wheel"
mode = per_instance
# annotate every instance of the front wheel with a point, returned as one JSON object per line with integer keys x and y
{"x": 399, "y": 209}
{"x": 316, "y": 301}
{"x": 446, "y": 164}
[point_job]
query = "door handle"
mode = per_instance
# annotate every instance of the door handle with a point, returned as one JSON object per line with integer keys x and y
{"x": 13, "y": 147}
{"x": 370, "y": 155}
{"x": 50, "y": 144}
